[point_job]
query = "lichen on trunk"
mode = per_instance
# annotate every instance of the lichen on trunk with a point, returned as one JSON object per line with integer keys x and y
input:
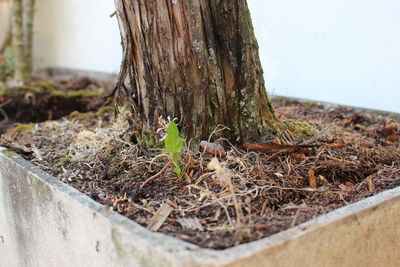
{"x": 196, "y": 61}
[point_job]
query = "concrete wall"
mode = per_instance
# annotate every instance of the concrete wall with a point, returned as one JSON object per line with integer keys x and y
{"x": 44, "y": 222}
{"x": 336, "y": 50}
{"x": 77, "y": 34}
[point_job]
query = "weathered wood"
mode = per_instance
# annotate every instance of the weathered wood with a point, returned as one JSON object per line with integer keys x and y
{"x": 196, "y": 61}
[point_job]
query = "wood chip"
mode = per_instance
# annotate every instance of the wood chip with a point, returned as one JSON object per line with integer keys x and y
{"x": 159, "y": 217}
{"x": 311, "y": 179}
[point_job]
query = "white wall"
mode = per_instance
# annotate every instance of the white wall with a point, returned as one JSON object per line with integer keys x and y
{"x": 343, "y": 51}
{"x": 77, "y": 34}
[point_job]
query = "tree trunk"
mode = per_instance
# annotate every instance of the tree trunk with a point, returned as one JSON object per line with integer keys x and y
{"x": 196, "y": 61}
{"x": 18, "y": 39}
{"x": 28, "y": 14}
{"x": 22, "y": 37}
{"x": 6, "y": 42}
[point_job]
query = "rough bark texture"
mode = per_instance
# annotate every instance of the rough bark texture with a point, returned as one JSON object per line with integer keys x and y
{"x": 18, "y": 39}
{"x": 22, "y": 37}
{"x": 28, "y": 14}
{"x": 196, "y": 61}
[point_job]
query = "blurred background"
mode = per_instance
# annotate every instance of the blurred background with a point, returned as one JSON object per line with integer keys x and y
{"x": 339, "y": 51}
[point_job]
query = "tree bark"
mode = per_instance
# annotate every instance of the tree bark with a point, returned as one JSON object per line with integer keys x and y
{"x": 18, "y": 39}
{"x": 28, "y": 15}
{"x": 196, "y": 61}
{"x": 22, "y": 38}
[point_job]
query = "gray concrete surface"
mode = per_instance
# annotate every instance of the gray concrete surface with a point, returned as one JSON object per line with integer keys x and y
{"x": 44, "y": 222}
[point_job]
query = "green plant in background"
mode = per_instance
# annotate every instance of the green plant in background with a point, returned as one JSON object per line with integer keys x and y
{"x": 174, "y": 144}
{"x": 7, "y": 65}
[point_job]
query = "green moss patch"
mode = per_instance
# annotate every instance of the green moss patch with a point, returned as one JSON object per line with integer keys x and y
{"x": 299, "y": 129}
{"x": 25, "y": 128}
{"x": 77, "y": 93}
{"x": 104, "y": 110}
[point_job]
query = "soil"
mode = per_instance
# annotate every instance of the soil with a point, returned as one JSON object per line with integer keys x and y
{"x": 245, "y": 196}
{"x": 50, "y": 97}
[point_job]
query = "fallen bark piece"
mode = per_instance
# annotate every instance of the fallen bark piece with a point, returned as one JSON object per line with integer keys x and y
{"x": 159, "y": 217}
{"x": 268, "y": 148}
{"x": 311, "y": 179}
{"x": 212, "y": 149}
{"x": 191, "y": 223}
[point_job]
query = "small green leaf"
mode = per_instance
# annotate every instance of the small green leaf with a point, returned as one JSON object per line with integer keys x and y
{"x": 173, "y": 142}
{"x": 175, "y": 160}
{"x": 178, "y": 171}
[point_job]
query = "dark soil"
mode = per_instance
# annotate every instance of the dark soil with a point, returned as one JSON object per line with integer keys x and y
{"x": 252, "y": 195}
{"x": 49, "y": 98}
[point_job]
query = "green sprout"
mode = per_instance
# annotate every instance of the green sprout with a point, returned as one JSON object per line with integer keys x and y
{"x": 174, "y": 144}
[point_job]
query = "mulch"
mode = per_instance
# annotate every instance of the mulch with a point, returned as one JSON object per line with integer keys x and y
{"x": 244, "y": 194}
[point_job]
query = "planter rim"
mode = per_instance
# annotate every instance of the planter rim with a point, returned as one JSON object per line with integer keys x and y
{"x": 205, "y": 256}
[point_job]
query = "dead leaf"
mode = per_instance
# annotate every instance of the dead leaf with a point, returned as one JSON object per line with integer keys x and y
{"x": 268, "y": 148}
{"x": 311, "y": 179}
{"x": 191, "y": 223}
{"x": 212, "y": 149}
{"x": 393, "y": 137}
{"x": 346, "y": 186}
{"x": 159, "y": 217}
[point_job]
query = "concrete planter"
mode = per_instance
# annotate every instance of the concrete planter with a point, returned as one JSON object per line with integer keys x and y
{"x": 44, "y": 222}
